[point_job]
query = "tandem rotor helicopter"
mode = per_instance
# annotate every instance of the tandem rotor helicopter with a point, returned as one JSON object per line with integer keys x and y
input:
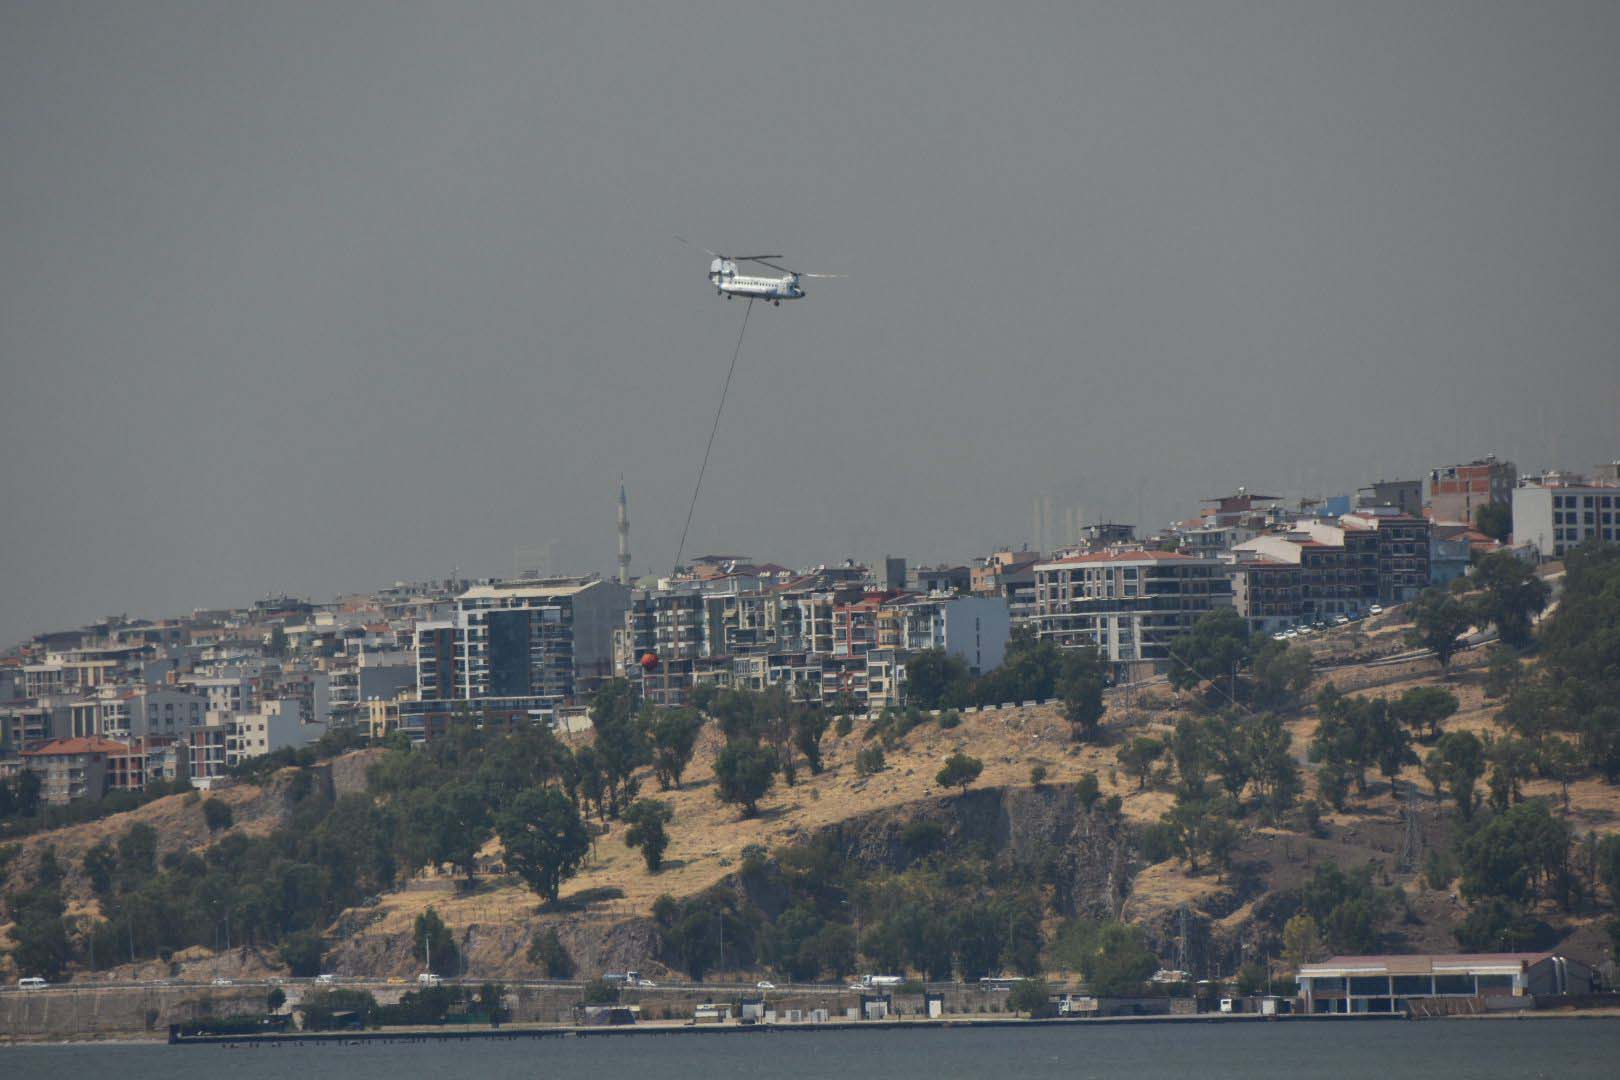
{"x": 728, "y": 283}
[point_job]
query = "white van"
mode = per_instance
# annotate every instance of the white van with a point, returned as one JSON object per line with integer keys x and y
{"x": 33, "y": 982}
{"x": 427, "y": 978}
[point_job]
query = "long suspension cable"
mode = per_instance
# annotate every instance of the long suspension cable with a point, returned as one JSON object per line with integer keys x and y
{"x": 705, "y": 466}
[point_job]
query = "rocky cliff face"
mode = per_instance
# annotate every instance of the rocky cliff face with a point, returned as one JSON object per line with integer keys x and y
{"x": 1086, "y": 854}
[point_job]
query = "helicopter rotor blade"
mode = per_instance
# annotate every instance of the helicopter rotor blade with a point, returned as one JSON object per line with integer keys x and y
{"x": 773, "y": 266}
{"x": 712, "y": 254}
{"x": 824, "y": 275}
{"x": 754, "y": 258}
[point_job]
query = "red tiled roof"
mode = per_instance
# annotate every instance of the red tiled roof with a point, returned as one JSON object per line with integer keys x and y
{"x": 75, "y": 746}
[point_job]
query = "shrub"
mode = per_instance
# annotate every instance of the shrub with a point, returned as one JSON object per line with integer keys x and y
{"x": 302, "y": 953}
{"x": 1030, "y": 996}
{"x": 217, "y": 814}
{"x": 960, "y": 770}
{"x": 600, "y": 992}
{"x": 547, "y": 952}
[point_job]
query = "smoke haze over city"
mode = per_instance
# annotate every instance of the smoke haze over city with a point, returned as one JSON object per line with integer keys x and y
{"x": 306, "y": 297}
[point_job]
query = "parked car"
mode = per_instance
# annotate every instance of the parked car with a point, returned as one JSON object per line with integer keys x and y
{"x": 1376, "y": 609}
{"x": 427, "y": 978}
{"x": 1341, "y": 620}
{"x": 220, "y": 980}
{"x": 646, "y": 984}
{"x": 326, "y": 979}
{"x": 32, "y": 982}
{"x": 764, "y": 984}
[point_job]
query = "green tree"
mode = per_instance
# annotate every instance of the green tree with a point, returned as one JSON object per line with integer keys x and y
{"x": 809, "y": 723}
{"x": 1495, "y": 520}
{"x": 1087, "y": 790}
{"x": 1080, "y": 691}
{"x": 1190, "y": 750}
{"x": 646, "y": 819}
{"x": 1346, "y": 906}
{"x": 1511, "y": 595}
{"x": 1504, "y": 672}
{"x": 453, "y": 822}
{"x": 1030, "y": 997}
{"x": 433, "y": 942}
{"x": 744, "y": 771}
{"x": 39, "y": 931}
{"x": 936, "y": 679}
{"x": 1273, "y": 771}
{"x": 1608, "y": 866}
{"x": 217, "y": 814}
{"x": 275, "y": 999}
{"x": 1302, "y": 941}
{"x": 1216, "y": 648}
{"x": 544, "y": 839}
{"x": 673, "y": 734}
{"x": 1113, "y": 957}
{"x": 620, "y": 740}
{"x": 26, "y": 793}
{"x": 1356, "y": 734}
{"x": 1497, "y": 925}
{"x": 547, "y": 951}
{"x": 960, "y": 770}
{"x": 600, "y": 992}
{"x": 1536, "y": 709}
{"x": 137, "y": 856}
{"x": 1227, "y": 737}
{"x": 1138, "y": 757}
{"x": 100, "y": 865}
{"x": 1439, "y": 620}
{"x": 1517, "y": 854}
{"x": 1561, "y": 760}
{"x": 1424, "y": 709}
{"x": 1281, "y": 674}
{"x": 1392, "y": 746}
{"x": 303, "y": 953}
{"x": 1456, "y": 764}
{"x": 1201, "y": 826}
{"x": 1511, "y": 760}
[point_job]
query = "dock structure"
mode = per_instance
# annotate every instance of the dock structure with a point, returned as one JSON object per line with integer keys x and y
{"x": 562, "y": 1031}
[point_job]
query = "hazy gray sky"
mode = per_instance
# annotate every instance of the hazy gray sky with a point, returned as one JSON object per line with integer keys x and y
{"x": 316, "y": 296}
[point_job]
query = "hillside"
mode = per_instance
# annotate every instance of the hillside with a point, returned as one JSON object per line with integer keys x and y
{"x": 1203, "y": 920}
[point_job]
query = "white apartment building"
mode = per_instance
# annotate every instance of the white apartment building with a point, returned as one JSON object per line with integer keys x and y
{"x": 1128, "y": 604}
{"x": 1554, "y": 513}
{"x": 273, "y": 726}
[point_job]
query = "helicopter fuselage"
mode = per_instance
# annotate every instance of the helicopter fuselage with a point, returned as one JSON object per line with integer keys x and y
{"x": 757, "y": 288}
{"x": 727, "y": 282}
